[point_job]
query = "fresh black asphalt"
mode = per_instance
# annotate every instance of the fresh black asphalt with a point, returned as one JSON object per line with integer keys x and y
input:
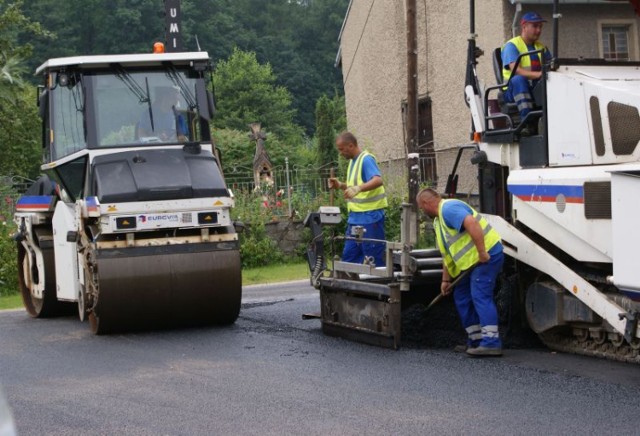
{"x": 274, "y": 373}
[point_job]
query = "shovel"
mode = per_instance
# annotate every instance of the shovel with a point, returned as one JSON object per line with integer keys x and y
{"x": 439, "y": 297}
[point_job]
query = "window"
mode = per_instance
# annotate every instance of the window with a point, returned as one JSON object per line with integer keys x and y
{"x": 144, "y": 107}
{"x": 615, "y": 43}
{"x": 425, "y": 141}
{"x": 426, "y": 147}
{"x": 68, "y": 117}
{"x": 618, "y": 40}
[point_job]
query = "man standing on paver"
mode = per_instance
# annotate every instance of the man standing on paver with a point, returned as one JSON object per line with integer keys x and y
{"x": 366, "y": 201}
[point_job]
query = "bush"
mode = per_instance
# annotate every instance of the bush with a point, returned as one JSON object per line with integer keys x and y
{"x": 257, "y": 249}
{"x": 8, "y": 252}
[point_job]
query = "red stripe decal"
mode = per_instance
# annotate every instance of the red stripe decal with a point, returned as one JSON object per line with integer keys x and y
{"x": 546, "y": 199}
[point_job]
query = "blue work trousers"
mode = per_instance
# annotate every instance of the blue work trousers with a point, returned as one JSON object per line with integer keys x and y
{"x": 519, "y": 91}
{"x": 474, "y": 300}
{"x": 356, "y": 251}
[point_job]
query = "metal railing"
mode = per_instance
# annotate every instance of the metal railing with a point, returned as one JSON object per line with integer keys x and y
{"x": 307, "y": 179}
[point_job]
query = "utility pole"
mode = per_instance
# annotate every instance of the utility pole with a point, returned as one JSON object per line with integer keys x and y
{"x": 412, "y": 102}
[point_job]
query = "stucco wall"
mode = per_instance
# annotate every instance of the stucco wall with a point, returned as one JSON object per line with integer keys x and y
{"x": 373, "y": 70}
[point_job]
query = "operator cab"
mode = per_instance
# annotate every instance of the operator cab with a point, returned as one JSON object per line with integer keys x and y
{"x": 570, "y": 103}
{"x": 97, "y": 105}
{"x": 503, "y": 123}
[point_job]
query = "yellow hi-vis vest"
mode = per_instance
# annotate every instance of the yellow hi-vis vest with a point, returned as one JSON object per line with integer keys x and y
{"x": 457, "y": 248}
{"x": 525, "y": 61}
{"x": 364, "y": 201}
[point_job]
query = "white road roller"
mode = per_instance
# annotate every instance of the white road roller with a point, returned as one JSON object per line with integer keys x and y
{"x": 131, "y": 220}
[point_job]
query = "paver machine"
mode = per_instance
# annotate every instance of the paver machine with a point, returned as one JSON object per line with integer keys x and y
{"x": 564, "y": 200}
{"x": 131, "y": 220}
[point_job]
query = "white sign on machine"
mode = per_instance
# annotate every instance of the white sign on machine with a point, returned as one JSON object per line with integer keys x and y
{"x": 151, "y": 221}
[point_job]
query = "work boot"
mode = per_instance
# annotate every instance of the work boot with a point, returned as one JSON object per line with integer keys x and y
{"x": 482, "y": 351}
{"x": 526, "y": 131}
{"x": 530, "y": 129}
{"x": 463, "y": 348}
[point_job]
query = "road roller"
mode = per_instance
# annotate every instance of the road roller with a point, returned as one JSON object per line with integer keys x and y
{"x": 130, "y": 222}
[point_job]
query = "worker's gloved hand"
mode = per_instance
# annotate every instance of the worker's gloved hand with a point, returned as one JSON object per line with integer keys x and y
{"x": 445, "y": 288}
{"x": 483, "y": 257}
{"x": 351, "y": 192}
{"x": 334, "y": 183}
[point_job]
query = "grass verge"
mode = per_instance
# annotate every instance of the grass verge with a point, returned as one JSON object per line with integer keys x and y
{"x": 250, "y": 276}
{"x": 10, "y": 302}
{"x": 275, "y": 273}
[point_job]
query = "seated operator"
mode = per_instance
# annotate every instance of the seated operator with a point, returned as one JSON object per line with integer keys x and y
{"x": 165, "y": 122}
{"x": 530, "y": 68}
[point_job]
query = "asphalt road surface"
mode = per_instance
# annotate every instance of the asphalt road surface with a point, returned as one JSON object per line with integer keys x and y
{"x": 274, "y": 373}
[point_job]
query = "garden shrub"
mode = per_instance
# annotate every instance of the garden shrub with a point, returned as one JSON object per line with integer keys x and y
{"x": 8, "y": 251}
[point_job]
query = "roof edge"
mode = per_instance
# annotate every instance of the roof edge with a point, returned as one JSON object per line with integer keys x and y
{"x": 122, "y": 59}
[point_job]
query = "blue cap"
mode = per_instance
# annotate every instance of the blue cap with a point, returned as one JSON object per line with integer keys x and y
{"x": 532, "y": 17}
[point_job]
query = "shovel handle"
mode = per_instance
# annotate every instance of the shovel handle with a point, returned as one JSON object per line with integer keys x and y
{"x": 439, "y": 297}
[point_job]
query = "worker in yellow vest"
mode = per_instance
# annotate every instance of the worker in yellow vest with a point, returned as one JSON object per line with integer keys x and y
{"x": 530, "y": 67}
{"x": 466, "y": 240}
{"x": 366, "y": 201}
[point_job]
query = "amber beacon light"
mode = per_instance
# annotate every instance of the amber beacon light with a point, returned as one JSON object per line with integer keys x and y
{"x": 158, "y": 48}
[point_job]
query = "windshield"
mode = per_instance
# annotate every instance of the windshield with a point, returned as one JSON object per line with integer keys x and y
{"x": 144, "y": 107}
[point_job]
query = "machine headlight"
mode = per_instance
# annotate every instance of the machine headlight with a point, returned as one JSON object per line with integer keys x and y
{"x": 126, "y": 222}
{"x": 208, "y": 218}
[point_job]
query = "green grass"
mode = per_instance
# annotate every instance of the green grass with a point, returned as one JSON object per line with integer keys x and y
{"x": 275, "y": 273}
{"x": 250, "y": 276}
{"x": 10, "y": 302}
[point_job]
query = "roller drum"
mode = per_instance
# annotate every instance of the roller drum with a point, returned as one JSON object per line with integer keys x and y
{"x": 141, "y": 288}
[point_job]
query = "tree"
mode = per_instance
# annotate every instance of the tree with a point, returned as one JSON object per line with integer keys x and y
{"x": 19, "y": 123}
{"x": 297, "y": 38}
{"x": 324, "y": 131}
{"x": 19, "y": 127}
{"x": 246, "y": 92}
{"x": 10, "y": 82}
{"x": 91, "y": 27}
{"x": 20, "y": 137}
{"x": 330, "y": 120}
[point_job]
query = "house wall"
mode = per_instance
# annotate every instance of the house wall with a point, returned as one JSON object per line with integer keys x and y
{"x": 373, "y": 70}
